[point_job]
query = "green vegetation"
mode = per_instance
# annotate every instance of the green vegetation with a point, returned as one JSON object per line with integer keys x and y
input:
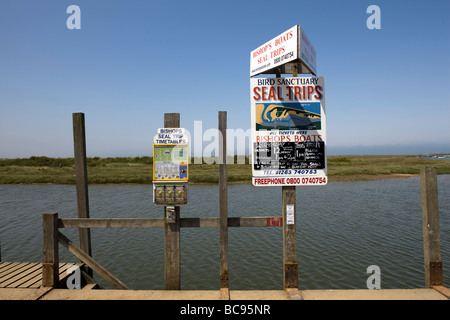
{"x": 352, "y": 168}
{"x": 138, "y": 170}
{"x": 69, "y": 162}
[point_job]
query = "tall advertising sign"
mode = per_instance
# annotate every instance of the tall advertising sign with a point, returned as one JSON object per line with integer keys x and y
{"x": 288, "y": 131}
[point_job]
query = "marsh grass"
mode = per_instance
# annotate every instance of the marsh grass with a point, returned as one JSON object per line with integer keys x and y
{"x": 138, "y": 170}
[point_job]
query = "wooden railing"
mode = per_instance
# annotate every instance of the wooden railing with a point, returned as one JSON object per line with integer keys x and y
{"x": 52, "y": 224}
{"x": 52, "y": 238}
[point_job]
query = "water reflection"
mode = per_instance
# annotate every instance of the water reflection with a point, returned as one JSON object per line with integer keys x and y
{"x": 342, "y": 229}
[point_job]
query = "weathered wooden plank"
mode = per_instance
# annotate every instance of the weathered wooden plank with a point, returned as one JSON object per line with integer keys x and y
{"x": 430, "y": 227}
{"x": 223, "y": 200}
{"x": 255, "y": 221}
{"x": 111, "y": 223}
{"x": 51, "y": 252}
{"x": 63, "y": 272}
{"x": 89, "y": 280}
{"x": 172, "y": 258}
{"x": 171, "y": 120}
{"x": 28, "y": 274}
{"x": 442, "y": 290}
{"x": 290, "y": 274}
{"x": 5, "y": 265}
{"x": 84, "y": 257}
{"x": 63, "y": 267}
{"x": 11, "y": 282}
{"x": 205, "y": 222}
{"x": 90, "y": 286}
{"x": 35, "y": 279}
{"x": 289, "y": 238}
{"x": 199, "y": 222}
{"x": 79, "y": 141}
{"x": 274, "y": 222}
{"x": 6, "y": 275}
{"x": 232, "y": 222}
{"x": 22, "y": 267}
{"x": 295, "y": 69}
{"x": 13, "y": 266}
{"x": 30, "y": 278}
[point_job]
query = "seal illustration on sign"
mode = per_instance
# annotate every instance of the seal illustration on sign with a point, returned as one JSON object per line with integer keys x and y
{"x": 288, "y": 116}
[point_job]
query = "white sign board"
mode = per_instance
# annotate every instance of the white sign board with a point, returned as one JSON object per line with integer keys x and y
{"x": 291, "y": 45}
{"x": 307, "y": 51}
{"x": 288, "y": 131}
{"x": 290, "y": 217}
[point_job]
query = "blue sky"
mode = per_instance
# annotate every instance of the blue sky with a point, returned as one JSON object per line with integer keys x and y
{"x": 387, "y": 90}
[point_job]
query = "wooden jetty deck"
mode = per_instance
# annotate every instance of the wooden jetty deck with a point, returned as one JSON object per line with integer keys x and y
{"x": 47, "y": 293}
{"x": 26, "y": 275}
{"x": 23, "y": 281}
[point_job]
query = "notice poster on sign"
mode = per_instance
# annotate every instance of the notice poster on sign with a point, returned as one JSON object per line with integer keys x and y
{"x": 170, "y": 155}
{"x": 170, "y": 162}
{"x": 288, "y": 131}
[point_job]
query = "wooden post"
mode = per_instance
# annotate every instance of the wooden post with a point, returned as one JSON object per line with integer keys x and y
{"x": 223, "y": 200}
{"x": 278, "y": 72}
{"x": 290, "y": 274}
{"x": 294, "y": 70}
{"x": 79, "y": 139}
{"x": 172, "y": 261}
{"x": 430, "y": 226}
{"x": 289, "y": 238}
{"x": 50, "y": 266}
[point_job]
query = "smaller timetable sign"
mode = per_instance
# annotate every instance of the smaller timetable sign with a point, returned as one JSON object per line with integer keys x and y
{"x": 170, "y": 168}
{"x": 170, "y": 155}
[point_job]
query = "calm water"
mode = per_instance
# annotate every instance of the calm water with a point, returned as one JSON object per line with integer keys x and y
{"x": 342, "y": 229}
